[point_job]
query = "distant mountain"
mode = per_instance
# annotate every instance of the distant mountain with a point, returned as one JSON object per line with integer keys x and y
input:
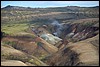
{"x": 18, "y": 7}
{"x": 14, "y": 13}
{"x": 15, "y": 8}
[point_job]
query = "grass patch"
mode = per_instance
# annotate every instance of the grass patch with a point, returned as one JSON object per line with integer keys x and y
{"x": 13, "y": 29}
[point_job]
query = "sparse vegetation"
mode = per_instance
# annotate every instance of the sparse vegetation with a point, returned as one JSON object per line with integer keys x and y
{"x": 13, "y": 29}
{"x": 21, "y": 30}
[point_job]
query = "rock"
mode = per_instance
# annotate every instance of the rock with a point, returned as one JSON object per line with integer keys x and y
{"x": 46, "y": 46}
{"x": 50, "y": 38}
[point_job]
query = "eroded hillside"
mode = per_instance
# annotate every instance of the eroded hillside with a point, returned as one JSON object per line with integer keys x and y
{"x": 60, "y": 36}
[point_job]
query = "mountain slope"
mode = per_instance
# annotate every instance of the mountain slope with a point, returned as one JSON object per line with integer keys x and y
{"x": 81, "y": 53}
{"x": 9, "y": 53}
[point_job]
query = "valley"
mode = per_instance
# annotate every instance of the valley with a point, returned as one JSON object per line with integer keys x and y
{"x": 59, "y": 36}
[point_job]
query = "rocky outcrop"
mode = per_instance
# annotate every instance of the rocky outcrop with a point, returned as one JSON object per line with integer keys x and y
{"x": 50, "y": 38}
{"x": 76, "y": 30}
{"x": 48, "y": 47}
